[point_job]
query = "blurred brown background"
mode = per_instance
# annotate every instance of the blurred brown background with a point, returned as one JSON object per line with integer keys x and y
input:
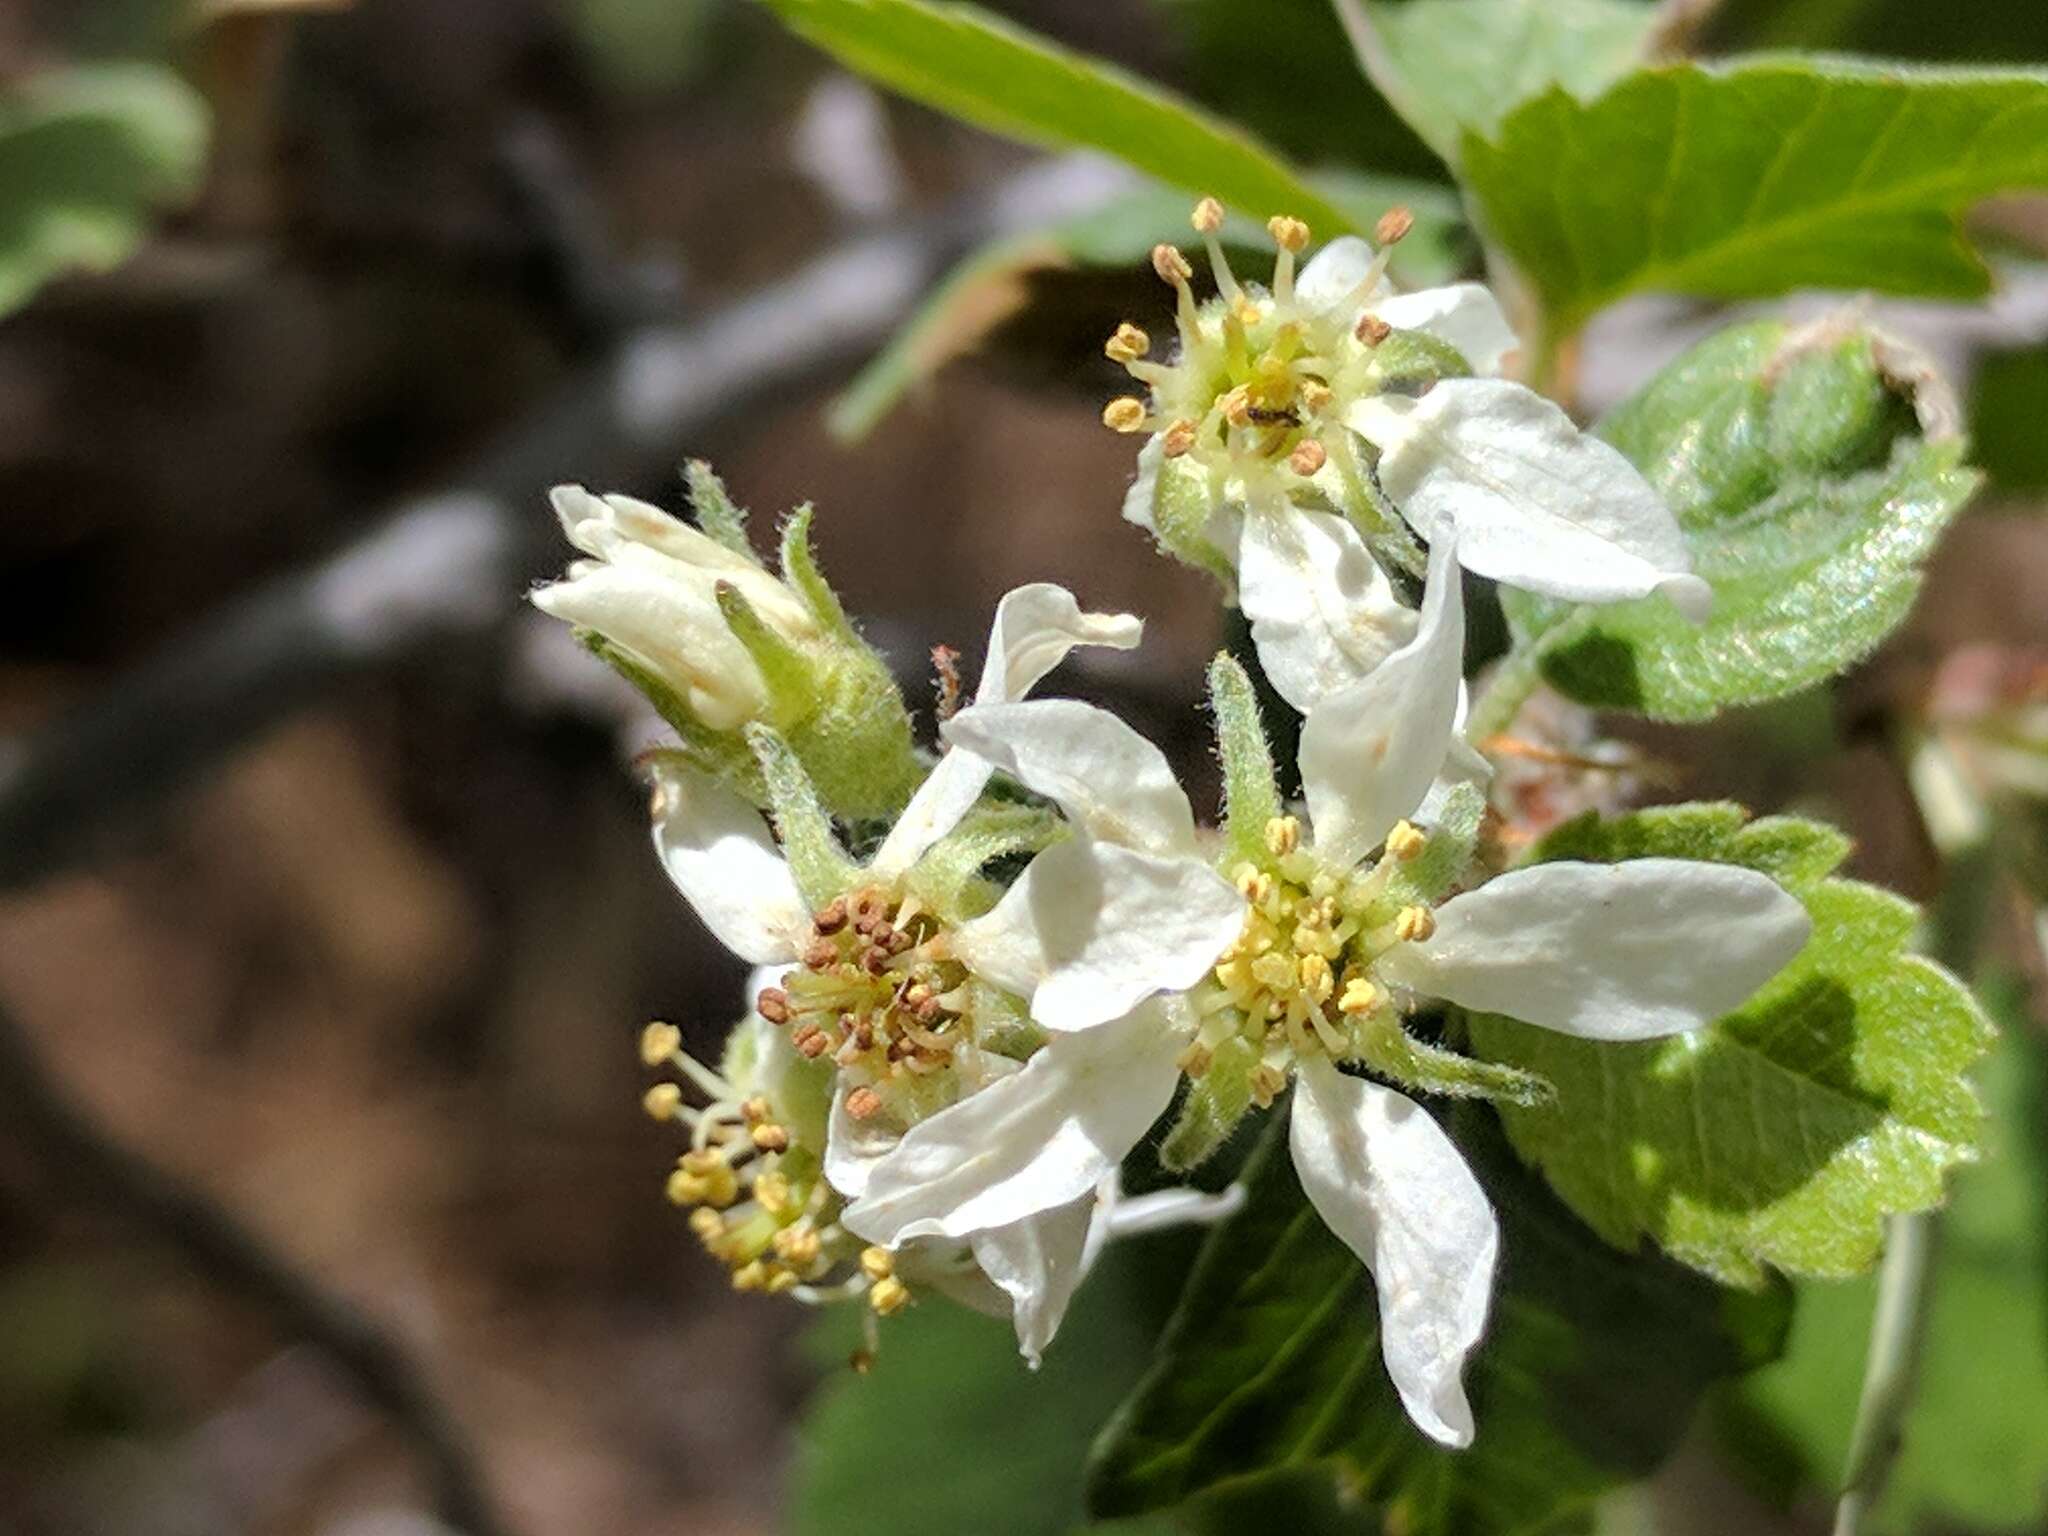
{"x": 371, "y": 979}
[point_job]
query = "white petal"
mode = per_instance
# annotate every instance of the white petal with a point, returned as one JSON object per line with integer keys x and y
{"x": 947, "y": 794}
{"x": 1091, "y": 929}
{"x": 1387, "y": 1180}
{"x": 1144, "y": 490}
{"x": 1030, "y": 1143}
{"x": 1536, "y": 503}
{"x": 1039, "y": 1263}
{"x": 1624, "y": 951}
{"x": 1110, "y": 781}
{"x": 1333, "y": 274}
{"x": 1465, "y": 314}
{"x": 1035, "y": 627}
{"x": 1370, "y": 751}
{"x": 1323, "y": 613}
{"x": 717, "y": 850}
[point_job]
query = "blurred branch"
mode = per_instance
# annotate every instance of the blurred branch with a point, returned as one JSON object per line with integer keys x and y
{"x": 110, "y": 1175}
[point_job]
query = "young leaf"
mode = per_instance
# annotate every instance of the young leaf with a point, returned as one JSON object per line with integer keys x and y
{"x": 1586, "y": 1379}
{"x": 86, "y": 156}
{"x": 998, "y": 282}
{"x": 1810, "y": 500}
{"x": 1757, "y": 179}
{"x": 1976, "y": 1438}
{"x": 1783, "y": 1134}
{"x": 1455, "y": 66}
{"x": 989, "y": 72}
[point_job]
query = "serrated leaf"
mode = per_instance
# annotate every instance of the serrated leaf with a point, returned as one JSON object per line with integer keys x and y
{"x": 1457, "y": 66}
{"x": 1810, "y": 499}
{"x": 987, "y": 71}
{"x": 1587, "y": 1377}
{"x": 996, "y": 283}
{"x": 87, "y": 156}
{"x": 1756, "y": 179}
{"x": 1782, "y": 1135}
{"x": 1975, "y": 1454}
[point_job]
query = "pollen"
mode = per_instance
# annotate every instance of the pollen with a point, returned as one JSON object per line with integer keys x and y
{"x": 1171, "y": 265}
{"x": 1414, "y": 924}
{"x": 1128, "y": 344}
{"x": 1290, "y": 234}
{"x": 1308, "y": 457}
{"x": 1126, "y": 413}
{"x": 1406, "y": 841}
{"x": 1207, "y": 217}
{"x": 1283, "y": 835}
{"x": 662, "y": 1101}
{"x": 1178, "y": 439}
{"x": 1372, "y": 330}
{"x": 877, "y": 1263}
{"x": 1360, "y": 996}
{"x": 659, "y": 1042}
{"x": 1393, "y": 226}
{"x": 888, "y": 1296}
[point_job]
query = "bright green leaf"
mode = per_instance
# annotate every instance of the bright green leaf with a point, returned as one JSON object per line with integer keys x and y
{"x": 87, "y": 156}
{"x": 994, "y": 74}
{"x": 1976, "y": 1438}
{"x": 1783, "y": 1134}
{"x": 1000, "y": 280}
{"x": 1586, "y": 1378}
{"x": 1457, "y": 66}
{"x": 1810, "y": 498}
{"x": 1757, "y": 179}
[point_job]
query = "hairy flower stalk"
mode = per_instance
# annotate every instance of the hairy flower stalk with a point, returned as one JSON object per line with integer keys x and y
{"x": 1299, "y": 430}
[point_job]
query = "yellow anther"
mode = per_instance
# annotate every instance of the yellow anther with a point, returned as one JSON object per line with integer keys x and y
{"x": 1308, "y": 457}
{"x": 1414, "y": 924}
{"x": 1406, "y": 841}
{"x": 1372, "y": 330}
{"x": 770, "y": 1138}
{"x": 1360, "y": 996}
{"x": 1393, "y": 225}
{"x": 1178, "y": 439}
{"x": 1207, "y": 217}
{"x": 1171, "y": 266}
{"x": 1127, "y": 345}
{"x": 1196, "y": 1060}
{"x": 658, "y": 1042}
{"x": 751, "y": 1276}
{"x": 781, "y": 1280}
{"x": 755, "y": 1111}
{"x": 1267, "y": 1083}
{"x": 772, "y": 1190}
{"x": 889, "y": 1296}
{"x": 796, "y": 1245}
{"x": 877, "y": 1263}
{"x": 1283, "y": 835}
{"x": 686, "y": 1188}
{"x": 707, "y": 1224}
{"x": 1317, "y": 980}
{"x": 1275, "y": 971}
{"x": 1315, "y": 396}
{"x": 1126, "y": 413}
{"x": 662, "y": 1101}
{"x": 863, "y": 1103}
{"x": 1235, "y": 976}
{"x": 1289, "y": 234}
{"x": 1237, "y": 407}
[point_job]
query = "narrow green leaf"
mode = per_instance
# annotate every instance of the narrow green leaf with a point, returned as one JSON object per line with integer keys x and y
{"x": 1756, "y": 179}
{"x": 1782, "y": 1135}
{"x": 1976, "y": 1438}
{"x": 1456, "y": 66}
{"x": 1811, "y": 499}
{"x": 1250, "y": 797}
{"x": 717, "y": 513}
{"x": 87, "y": 156}
{"x": 1586, "y": 1379}
{"x": 820, "y": 865}
{"x": 995, "y": 284}
{"x": 994, "y": 74}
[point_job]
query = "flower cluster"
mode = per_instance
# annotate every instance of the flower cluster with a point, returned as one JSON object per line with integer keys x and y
{"x": 983, "y": 981}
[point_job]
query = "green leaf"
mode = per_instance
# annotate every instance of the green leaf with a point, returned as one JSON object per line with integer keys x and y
{"x": 87, "y": 156}
{"x": 986, "y": 71}
{"x": 950, "y": 1432}
{"x": 1811, "y": 500}
{"x": 995, "y": 284}
{"x": 1783, "y": 1134}
{"x": 1976, "y": 1437}
{"x": 1456, "y": 66}
{"x": 1586, "y": 1379}
{"x": 1757, "y": 179}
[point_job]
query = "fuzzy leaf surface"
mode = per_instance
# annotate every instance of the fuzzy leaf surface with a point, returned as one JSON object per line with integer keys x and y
{"x": 1782, "y": 1135}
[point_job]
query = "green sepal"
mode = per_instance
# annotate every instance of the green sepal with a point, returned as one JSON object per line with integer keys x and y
{"x": 1213, "y": 1106}
{"x": 948, "y": 878}
{"x": 1251, "y": 797}
{"x": 722, "y": 754}
{"x": 800, "y": 570}
{"x": 717, "y": 514}
{"x": 1184, "y": 500}
{"x": 1408, "y": 362}
{"x": 820, "y": 865}
{"x": 790, "y": 675}
{"x": 1447, "y": 855}
{"x": 1389, "y": 1050}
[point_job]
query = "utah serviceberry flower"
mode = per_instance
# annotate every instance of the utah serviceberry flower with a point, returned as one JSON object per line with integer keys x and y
{"x": 968, "y": 1028}
{"x": 1291, "y": 417}
{"x": 716, "y": 642}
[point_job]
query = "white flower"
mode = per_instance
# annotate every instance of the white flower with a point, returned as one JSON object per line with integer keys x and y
{"x": 925, "y": 1007}
{"x": 650, "y": 585}
{"x": 1253, "y": 469}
